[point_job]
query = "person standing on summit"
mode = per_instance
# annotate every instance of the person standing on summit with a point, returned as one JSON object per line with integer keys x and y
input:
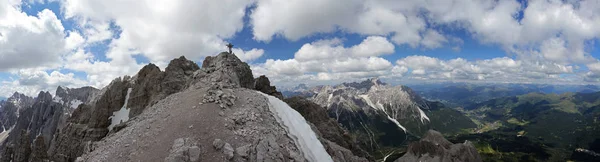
{"x": 229, "y": 45}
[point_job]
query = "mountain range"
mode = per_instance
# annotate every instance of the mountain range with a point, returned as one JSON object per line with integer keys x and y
{"x": 464, "y": 94}
{"x": 219, "y": 111}
{"x": 506, "y": 122}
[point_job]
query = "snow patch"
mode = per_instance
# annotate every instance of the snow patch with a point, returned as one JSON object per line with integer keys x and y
{"x": 75, "y": 103}
{"x": 366, "y": 98}
{"x": 423, "y": 116}
{"x": 57, "y": 99}
{"x": 330, "y": 97}
{"x": 299, "y": 130}
{"x": 4, "y": 135}
{"x": 122, "y": 115}
{"x": 380, "y": 107}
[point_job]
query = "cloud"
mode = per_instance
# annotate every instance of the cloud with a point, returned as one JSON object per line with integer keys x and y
{"x": 333, "y": 49}
{"x": 501, "y": 69}
{"x": 329, "y": 60}
{"x": 32, "y": 81}
{"x": 29, "y": 41}
{"x": 248, "y": 56}
{"x": 161, "y": 30}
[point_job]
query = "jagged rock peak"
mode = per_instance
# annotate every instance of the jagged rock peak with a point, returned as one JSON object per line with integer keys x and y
{"x": 150, "y": 68}
{"x": 44, "y": 96}
{"x": 18, "y": 97}
{"x": 367, "y": 84}
{"x": 228, "y": 68}
{"x": 181, "y": 65}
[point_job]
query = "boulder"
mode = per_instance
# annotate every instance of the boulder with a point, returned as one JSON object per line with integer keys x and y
{"x": 263, "y": 84}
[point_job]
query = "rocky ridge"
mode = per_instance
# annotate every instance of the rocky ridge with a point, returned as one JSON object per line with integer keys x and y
{"x": 217, "y": 100}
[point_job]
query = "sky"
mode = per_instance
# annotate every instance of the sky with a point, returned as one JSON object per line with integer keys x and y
{"x": 75, "y": 43}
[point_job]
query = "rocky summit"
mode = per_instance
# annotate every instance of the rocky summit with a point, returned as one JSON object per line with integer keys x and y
{"x": 433, "y": 147}
{"x": 217, "y": 112}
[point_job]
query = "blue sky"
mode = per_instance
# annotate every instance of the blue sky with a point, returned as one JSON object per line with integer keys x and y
{"x": 314, "y": 42}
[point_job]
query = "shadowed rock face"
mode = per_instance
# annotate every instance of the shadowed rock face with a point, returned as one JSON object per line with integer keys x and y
{"x": 329, "y": 129}
{"x": 433, "y": 147}
{"x": 38, "y": 152}
{"x": 177, "y": 74}
{"x": 263, "y": 84}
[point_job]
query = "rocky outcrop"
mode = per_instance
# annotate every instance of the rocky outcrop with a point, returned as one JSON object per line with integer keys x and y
{"x": 177, "y": 74}
{"x": 228, "y": 69}
{"x": 148, "y": 87}
{"x": 184, "y": 150}
{"x": 433, "y": 147}
{"x": 263, "y": 84}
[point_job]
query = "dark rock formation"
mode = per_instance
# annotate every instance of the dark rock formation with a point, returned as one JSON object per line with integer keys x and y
{"x": 23, "y": 148}
{"x": 433, "y": 147}
{"x": 8, "y": 153}
{"x": 39, "y": 150}
{"x": 327, "y": 126}
{"x": 263, "y": 84}
{"x": 148, "y": 87}
{"x": 177, "y": 74}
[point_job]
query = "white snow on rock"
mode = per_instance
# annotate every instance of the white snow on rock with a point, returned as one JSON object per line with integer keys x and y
{"x": 4, "y": 135}
{"x": 74, "y": 103}
{"x": 57, "y": 99}
{"x": 380, "y": 107}
{"x": 122, "y": 115}
{"x": 299, "y": 130}
{"x": 423, "y": 116}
